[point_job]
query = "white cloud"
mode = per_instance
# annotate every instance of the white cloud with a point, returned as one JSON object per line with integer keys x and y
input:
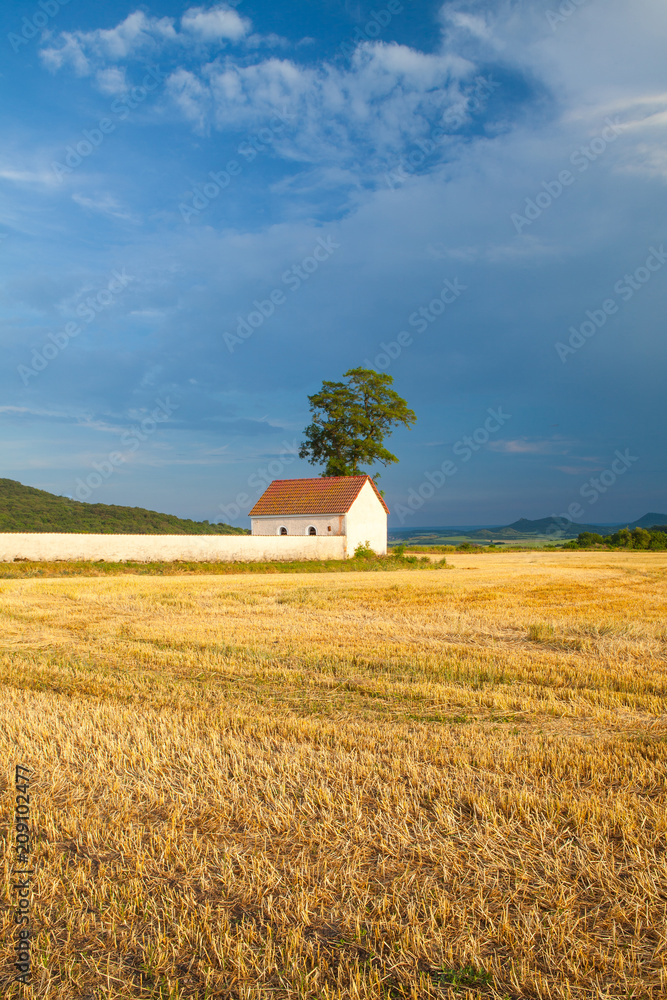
{"x": 270, "y": 41}
{"x": 245, "y": 95}
{"x": 214, "y": 24}
{"x": 604, "y": 52}
{"x": 524, "y": 446}
{"x": 644, "y": 121}
{"x": 469, "y": 22}
{"x": 138, "y": 34}
{"x": 105, "y": 205}
{"x": 133, "y": 34}
{"x": 388, "y": 97}
{"x": 84, "y": 49}
{"x": 649, "y": 160}
{"x": 19, "y": 176}
{"x": 69, "y": 53}
{"x": 112, "y": 80}
{"x": 189, "y": 95}
{"x": 30, "y": 412}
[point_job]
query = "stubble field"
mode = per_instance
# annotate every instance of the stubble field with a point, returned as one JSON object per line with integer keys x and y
{"x": 445, "y": 783}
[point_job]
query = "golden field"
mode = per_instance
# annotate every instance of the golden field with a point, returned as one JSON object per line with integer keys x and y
{"x": 412, "y": 784}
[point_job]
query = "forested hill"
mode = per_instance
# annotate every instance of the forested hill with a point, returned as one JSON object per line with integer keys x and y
{"x": 23, "y": 508}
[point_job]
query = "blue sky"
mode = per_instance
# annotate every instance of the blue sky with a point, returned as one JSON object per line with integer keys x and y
{"x": 207, "y": 210}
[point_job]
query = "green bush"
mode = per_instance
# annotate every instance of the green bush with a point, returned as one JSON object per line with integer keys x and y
{"x": 364, "y": 551}
{"x": 639, "y": 539}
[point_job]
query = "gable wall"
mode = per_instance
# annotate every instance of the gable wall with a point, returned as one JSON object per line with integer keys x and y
{"x": 366, "y": 521}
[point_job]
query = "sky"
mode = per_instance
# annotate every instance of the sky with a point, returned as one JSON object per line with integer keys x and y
{"x": 206, "y": 211}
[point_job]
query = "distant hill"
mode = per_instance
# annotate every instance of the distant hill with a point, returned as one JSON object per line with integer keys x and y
{"x": 521, "y": 530}
{"x": 524, "y": 528}
{"x": 647, "y": 521}
{"x": 23, "y": 508}
{"x": 542, "y": 526}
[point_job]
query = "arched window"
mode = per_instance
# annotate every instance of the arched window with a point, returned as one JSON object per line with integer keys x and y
{"x": 282, "y": 530}
{"x": 311, "y": 530}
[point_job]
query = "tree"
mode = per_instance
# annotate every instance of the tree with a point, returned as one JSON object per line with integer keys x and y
{"x": 622, "y": 538}
{"x": 351, "y": 420}
{"x": 589, "y": 538}
{"x": 641, "y": 539}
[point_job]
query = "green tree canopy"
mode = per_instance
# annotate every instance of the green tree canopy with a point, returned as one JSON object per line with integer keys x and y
{"x": 350, "y": 421}
{"x": 639, "y": 538}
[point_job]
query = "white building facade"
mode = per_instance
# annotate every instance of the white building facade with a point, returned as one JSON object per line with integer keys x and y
{"x": 349, "y": 506}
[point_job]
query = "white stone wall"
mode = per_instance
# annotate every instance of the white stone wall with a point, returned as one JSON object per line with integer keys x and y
{"x": 366, "y": 521}
{"x": 298, "y": 524}
{"x": 164, "y": 548}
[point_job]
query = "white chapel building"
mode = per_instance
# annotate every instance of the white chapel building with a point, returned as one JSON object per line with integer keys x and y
{"x": 330, "y": 505}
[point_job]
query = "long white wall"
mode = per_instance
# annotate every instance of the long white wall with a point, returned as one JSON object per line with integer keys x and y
{"x": 164, "y": 548}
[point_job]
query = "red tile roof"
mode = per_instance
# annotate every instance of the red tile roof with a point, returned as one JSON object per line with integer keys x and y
{"x": 326, "y": 495}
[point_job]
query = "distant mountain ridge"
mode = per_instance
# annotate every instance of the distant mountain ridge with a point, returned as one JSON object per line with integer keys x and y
{"x": 24, "y": 508}
{"x": 560, "y": 529}
{"x": 523, "y": 529}
{"x": 647, "y": 521}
